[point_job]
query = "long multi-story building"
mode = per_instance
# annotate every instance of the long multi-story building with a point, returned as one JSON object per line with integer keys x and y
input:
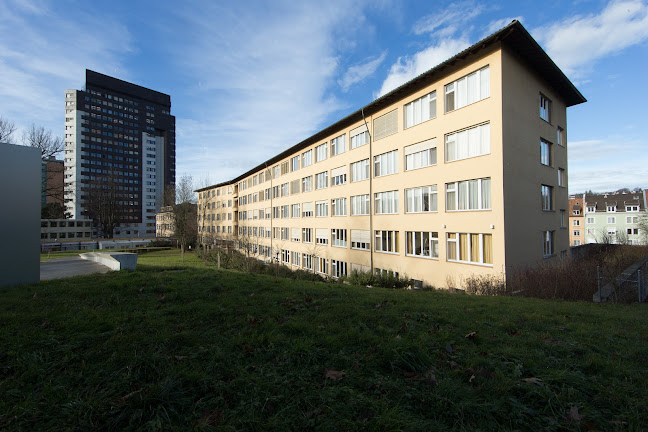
{"x": 614, "y": 217}
{"x": 461, "y": 171}
{"x": 124, "y": 134}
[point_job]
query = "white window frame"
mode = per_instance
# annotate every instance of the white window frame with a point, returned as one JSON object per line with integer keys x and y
{"x": 467, "y": 90}
{"x": 386, "y": 202}
{"x": 321, "y": 152}
{"x": 454, "y": 202}
{"x": 338, "y": 145}
{"x": 360, "y": 205}
{"x": 419, "y": 110}
{"x": 468, "y": 143}
{"x": 338, "y": 207}
{"x": 360, "y": 170}
{"x": 386, "y": 241}
{"x": 415, "y": 241}
{"x": 386, "y": 164}
{"x": 415, "y": 199}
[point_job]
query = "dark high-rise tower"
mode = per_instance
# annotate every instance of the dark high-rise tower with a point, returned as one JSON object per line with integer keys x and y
{"x": 118, "y": 136}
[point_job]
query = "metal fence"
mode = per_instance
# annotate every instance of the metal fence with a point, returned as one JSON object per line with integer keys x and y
{"x": 628, "y": 287}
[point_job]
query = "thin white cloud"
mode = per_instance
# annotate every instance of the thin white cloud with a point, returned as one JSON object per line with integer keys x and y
{"x": 576, "y": 43}
{"x": 607, "y": 164}
{"x": 45, "y": 50}
{"x": 262, "y": 91}
{"x": 449, "y": 19}
{"x": 358, "y": 73}
{"x": 409, "y": 67}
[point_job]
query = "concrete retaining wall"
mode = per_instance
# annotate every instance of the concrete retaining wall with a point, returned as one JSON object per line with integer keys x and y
{"x": 116, "y": 261}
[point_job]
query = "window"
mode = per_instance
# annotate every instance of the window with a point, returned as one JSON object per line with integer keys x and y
{"x": 307, "y": 235}
{"x": 577, "y": 242}
{"x": 591, "y": 209}
{"x": 386, "y": 163}
{"x": 321, "y": 236}
{"x": 422, "y": 244}
{"x": 467, "y": 90}
{"x": 560, "y": 136}
{"x": 338, "y": 268}
{"x": 545, "y": 108}
{"x": 632, "y": 219}
{"x": 359, "y": 136}
{"x": 295, "y": 210}
{"x": 294, "y": 235}
{"x": 339, "y": 238}
{"x": 322, "y": 265}
{"x": 321, "y": 208}
{"x": 307, "y": 210}
{"x": 275, "y": 192}
{"x": 285, "y": 167}
{"x": 307, "y": 158}
{"x": 545, "y": 152}
{"x": 321, "y": 152}
{"x": 576, "y": 212}
{"x": 294, "y": 258}
{"x": 285, "y": 256}
{"x": 633, "y": 231}
{"x": 284, "y": 233}
{"x": 338, "y": 176}
{"x": 360, "y": 170}
{"x": 420, "y": 155}
{"x": 561, "y": 177}
{"x": 421, "y": 199}
{"x": 294, "y": 187}
{"x": 611, "y": 209}
{"x": 307, "y": 184}
{"x": 321, "y": 180}
{"x": 632, "y": 208}
{"x": 386, "y": 241}
{"x": 577, "y": 233}
{"x": 468, "y": 143}
{"x": 562, "y": 219}
{"x": 547, "y": 197}
{"x": 360, "y": 205}
{"x": 338, "y": 145}
{"x": 576, "y": 222}
{"x": 611, "y": 219}
{"x": 307, "y": 261}
{"x": 285, "y": 189}
{"x": 469, "y": 195}
{"x": 275, "y": 172}
{"x": 548, "y": 243}
{"x": 360, "y": 239}
{"x": 590, "y": 220}
{"x": 338, "y": 207}
{"x": 385, "y": 125}
{"x": 470, "y": 248}
{"x": 386, "y": 202}
{"x": 420, "y": 110}
{"x": 294, "y": 163}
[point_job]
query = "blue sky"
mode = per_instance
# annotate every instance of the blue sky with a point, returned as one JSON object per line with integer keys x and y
{"x": 250, "y": 79}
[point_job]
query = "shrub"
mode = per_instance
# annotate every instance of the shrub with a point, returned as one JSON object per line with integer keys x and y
{"x": 485, "y": 285}
{"x": 385, "y": 280}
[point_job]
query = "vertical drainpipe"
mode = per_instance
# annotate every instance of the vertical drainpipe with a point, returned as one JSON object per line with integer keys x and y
{"x": 371, "y": 235}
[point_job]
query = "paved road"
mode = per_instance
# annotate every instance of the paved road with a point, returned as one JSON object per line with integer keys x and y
{"x": 59, "y": 268}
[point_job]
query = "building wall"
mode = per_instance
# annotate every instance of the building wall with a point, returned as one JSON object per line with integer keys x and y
{"x": 619, "y": 226}
{"x": 20, "y": 175}
{"x": 576, "y": 221}
{"x": 524, "y": 174}
{"x": 108, "y": 129}
{"x": 65, "y": 229}
{"x": 512, "y": 165}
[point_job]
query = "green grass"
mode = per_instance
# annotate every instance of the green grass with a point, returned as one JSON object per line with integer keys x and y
{"x": 183, "y": 346}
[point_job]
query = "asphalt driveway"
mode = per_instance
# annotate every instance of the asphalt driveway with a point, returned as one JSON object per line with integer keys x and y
{"x": 59, "y": 268}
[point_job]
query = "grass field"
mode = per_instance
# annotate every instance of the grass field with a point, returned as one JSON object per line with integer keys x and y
{"x": 183, "y": 346}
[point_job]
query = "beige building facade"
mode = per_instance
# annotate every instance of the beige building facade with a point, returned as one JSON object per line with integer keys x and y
{"x": 460, "y": 172}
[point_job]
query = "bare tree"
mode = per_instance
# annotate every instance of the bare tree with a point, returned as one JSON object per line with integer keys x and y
{"x": 7, "y": 128}
{"x": 184, "y": 210}
{"x": 44, "y": 140}
{"x": 103, "y": 202}
{"x": 643, "y": 229}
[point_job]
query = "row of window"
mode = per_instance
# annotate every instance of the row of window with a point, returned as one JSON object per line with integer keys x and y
{"x": 465, "y": 195}
{"x": 474, "y": 248}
